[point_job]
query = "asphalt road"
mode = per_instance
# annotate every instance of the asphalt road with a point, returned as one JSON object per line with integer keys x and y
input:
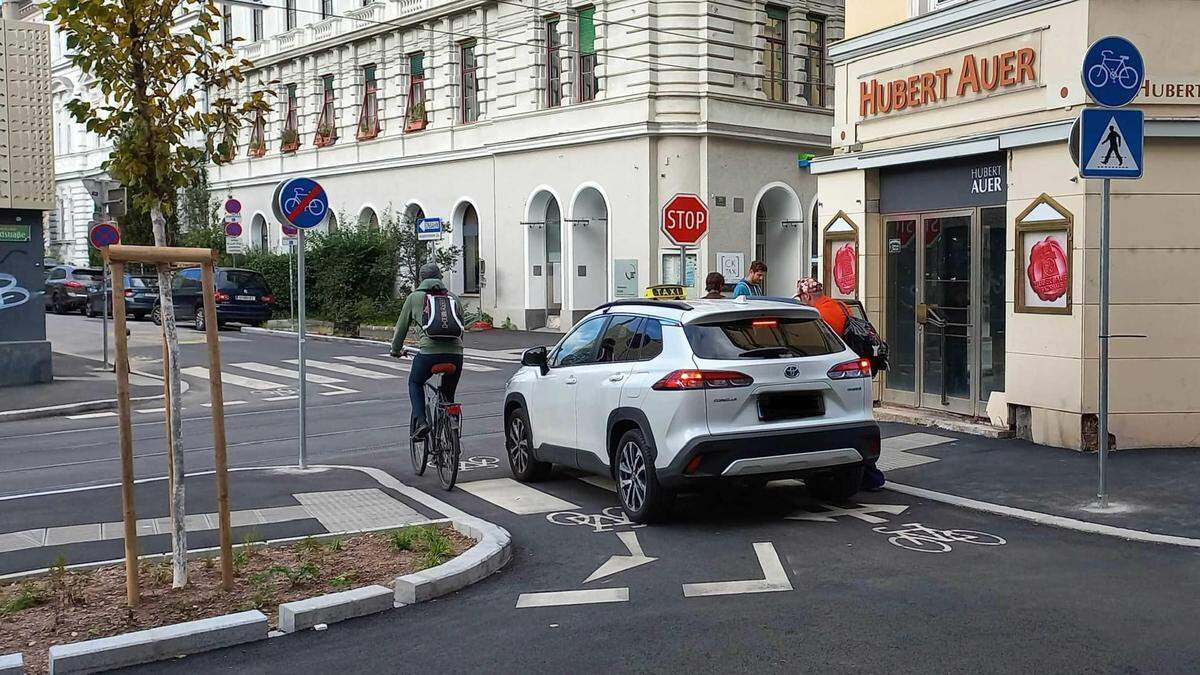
{"x": 898, "y": 584}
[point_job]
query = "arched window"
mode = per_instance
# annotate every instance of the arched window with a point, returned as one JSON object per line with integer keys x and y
{"x": 368, "y": 219}
{"x": 470, "y": 249}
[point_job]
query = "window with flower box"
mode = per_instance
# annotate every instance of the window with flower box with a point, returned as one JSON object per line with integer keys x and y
{"x": 291, "y": 125}
{"x": 327, "y": 121}
{"x": 415, "y": 117}
{"x": 368, "y": 119}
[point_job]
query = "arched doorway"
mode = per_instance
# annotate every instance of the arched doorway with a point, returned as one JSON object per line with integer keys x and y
{"x": 589, "y": 251}
{"x": 778, "y": 238}
{"x": 544, "y": 252}
{"x": 465, "y": 230}
{"x": 368, "y": 219}
{"x": 260, "y": 237}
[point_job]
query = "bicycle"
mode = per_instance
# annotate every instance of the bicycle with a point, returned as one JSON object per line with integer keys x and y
{"x": 1112, "y": 68}
{"x": 445, "y": 430}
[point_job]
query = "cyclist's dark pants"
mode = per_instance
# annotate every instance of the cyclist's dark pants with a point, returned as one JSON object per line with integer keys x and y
{"x": 422, "y": 366}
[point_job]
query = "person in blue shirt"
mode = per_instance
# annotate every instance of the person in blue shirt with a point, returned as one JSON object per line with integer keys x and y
{"x": 751, "y": 285}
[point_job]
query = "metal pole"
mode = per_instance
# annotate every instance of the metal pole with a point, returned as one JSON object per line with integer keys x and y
{"x": 1102, "y": 442}
{"x": 300, "y": 346}
{"x": 104, "y": 291}
{"x": 292, "y": 282}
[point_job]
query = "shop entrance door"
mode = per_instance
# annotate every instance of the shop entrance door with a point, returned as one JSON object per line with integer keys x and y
{"x": 928, "y": 314}
{"x": 945, "y": 315}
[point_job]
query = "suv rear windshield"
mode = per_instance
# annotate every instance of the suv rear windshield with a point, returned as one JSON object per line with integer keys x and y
{"x": 762, "y": 338}
{"x": 244, "y": 279}
{"x": 87, "y": 275}
{"x": 142, "y": 282}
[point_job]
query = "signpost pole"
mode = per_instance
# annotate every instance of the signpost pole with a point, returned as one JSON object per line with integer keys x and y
{"x": 104, "y": 292}
{"x": 300, "y": 347}
{"x": 292, "y": 282}
{"x": 1102, "y": 441}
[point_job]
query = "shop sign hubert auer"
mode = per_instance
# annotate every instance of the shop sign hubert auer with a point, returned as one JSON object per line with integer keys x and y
{"x": 1011, "y": 64}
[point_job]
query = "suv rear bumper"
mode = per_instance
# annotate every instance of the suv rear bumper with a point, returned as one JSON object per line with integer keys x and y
{"x": 772, "y": 455}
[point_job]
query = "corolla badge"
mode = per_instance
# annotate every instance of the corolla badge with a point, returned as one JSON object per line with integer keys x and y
{"x": 791, "y": 372}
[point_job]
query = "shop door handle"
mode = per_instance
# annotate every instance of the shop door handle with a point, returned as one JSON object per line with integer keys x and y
{"x": 616, "y": 378}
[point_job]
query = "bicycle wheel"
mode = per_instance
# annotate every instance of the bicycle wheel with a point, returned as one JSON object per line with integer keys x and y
{"x": 1127, "y": 78}
{"x": 1097, "y": 75}
{"x": 418, "y": 451}
{"x": 451, "y": 448}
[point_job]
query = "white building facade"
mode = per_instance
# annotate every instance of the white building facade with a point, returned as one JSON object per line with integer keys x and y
{"x": 549, "y": 134}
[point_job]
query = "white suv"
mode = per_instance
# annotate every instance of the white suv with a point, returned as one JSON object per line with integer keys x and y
{"x": 665, "y": 396}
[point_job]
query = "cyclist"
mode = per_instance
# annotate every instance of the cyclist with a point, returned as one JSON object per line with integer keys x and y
{"x": 435, "y": 314}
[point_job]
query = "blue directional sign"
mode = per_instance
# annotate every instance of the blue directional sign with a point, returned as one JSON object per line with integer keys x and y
{"x": 303, "y": 203}
{"x": 1113, "y": 71}
{"x": 1110, "y": 143}
{"x": 429, "y": 229}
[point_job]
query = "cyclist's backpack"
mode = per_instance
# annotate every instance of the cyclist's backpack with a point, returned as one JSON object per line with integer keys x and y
{"x": 440, "y": 319}
{"x": 860, "y": 336}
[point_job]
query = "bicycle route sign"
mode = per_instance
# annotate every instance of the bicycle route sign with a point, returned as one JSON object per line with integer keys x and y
{"x": 303, "y": 203}
{"x": 1113, "y": 71}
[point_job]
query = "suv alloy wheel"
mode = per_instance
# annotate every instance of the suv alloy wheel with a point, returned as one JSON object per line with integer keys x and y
{"x": 198, "y": 318}
{"x": 518, "y": 440}
{"x": 642, "y": 498}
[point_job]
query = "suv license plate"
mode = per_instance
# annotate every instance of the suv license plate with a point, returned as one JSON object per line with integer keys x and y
{"x": 247, "y": 298}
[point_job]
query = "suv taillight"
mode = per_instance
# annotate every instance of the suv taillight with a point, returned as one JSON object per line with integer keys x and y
{"x": 128, "y": 293}
{"x": 268, "y": 298}
{"x": 221, "y": 297}
{"x": 681, "y": 380}
{"x": 851, "y": 369}
{"x": 73, "y": 284}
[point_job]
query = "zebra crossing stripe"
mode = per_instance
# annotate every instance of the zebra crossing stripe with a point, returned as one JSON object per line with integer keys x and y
{"x": 234, "y": 379}
{"x": 394, "y": 363}
{"x": 347, "y": 370}
{"x": 285, "y": 372}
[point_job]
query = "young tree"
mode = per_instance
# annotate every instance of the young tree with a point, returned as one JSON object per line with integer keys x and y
{"x": 167, "y": 112}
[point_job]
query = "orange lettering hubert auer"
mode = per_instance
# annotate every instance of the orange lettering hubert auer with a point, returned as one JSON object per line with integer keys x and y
{"x": 975, "y": 76}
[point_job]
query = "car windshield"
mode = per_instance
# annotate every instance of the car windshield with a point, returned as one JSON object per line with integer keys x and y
{"x": 247, "y": 280}
{"x": 762, "y": 338}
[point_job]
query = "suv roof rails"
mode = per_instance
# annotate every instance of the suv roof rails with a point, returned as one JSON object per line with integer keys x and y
{"x": 646, "y": 302}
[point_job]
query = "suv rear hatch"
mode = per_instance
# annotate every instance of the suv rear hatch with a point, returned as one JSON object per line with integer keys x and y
{"x": 784, "y": 359}
{"x": 244, "y": 287}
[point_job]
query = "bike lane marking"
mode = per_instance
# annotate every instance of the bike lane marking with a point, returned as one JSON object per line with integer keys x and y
{"x": 774, "y": 579}
{"x": 620, "y": 563}
{"x": 591, "y": 596}
{"x": 515, "y": 497}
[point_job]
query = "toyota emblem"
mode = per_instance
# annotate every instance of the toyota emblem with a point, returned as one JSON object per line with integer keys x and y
{"x": 792, "y": 372}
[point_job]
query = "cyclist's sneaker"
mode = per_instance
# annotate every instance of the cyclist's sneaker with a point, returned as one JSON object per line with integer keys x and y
{"x": 420, "y": 431}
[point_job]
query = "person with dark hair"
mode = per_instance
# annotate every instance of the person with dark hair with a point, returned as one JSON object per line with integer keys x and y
{"x": 751, "y": 285}
{"x": 714, "y": 284}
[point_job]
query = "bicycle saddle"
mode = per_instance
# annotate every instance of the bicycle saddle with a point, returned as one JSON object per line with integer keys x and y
{"x": 443, "y": 369}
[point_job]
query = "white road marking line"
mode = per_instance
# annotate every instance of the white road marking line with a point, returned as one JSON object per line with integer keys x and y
{"x": 285, "y": 372}
{"x": 560, "y": 598}
{"x": 338, "y": 391}
{"x": 474, "y": 367}
{"x": 620, "y": 563}
{"x": 234, "y": 379}
{"x": 281, "y": 398}
{"x": 346, "y": 370}
{"x": 394, "y": 364}
{"x": 863, "y": 513}
{"x": 92, "y": 416}
{"x": 227, "y": 403}
{"x": 512, "y": 496}
{"x": 148, "y": 411}
{"x": 775, "y": 578}
{"x": 600, "y": 482}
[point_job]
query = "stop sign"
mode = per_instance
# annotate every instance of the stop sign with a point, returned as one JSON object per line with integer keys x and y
{"x": 685, "y": 220}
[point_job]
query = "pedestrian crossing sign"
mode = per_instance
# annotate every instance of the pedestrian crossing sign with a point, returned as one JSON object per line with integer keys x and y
{"x": 1110, "y": 143}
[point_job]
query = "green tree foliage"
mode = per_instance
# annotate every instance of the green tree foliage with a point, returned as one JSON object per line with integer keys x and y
{"x": 154, "y": 62}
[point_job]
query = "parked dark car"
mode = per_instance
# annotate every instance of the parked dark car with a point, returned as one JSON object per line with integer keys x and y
{"x": 242, "y": 296}
{"x": 67, "y": 287}
{"x": 141, "y": 295}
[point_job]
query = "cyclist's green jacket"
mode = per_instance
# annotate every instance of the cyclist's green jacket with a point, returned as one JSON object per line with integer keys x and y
{"x": 410, "y": 316}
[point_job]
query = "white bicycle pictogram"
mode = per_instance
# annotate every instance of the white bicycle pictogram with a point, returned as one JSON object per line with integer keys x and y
{"x": 316, "y": 207}
{"x": 1112, "y": 68}
{"x": 478, "y": 462}
{"x": 605, "y": 521}
{"x": 917, "y": 537}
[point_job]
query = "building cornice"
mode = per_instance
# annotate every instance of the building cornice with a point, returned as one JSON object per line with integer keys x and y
{"x": 934, "y": 26}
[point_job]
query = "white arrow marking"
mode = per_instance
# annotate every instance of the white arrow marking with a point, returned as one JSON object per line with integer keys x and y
{"x": 774, "y": 578}
{"x": 620, "y": 563}
{"x": 863, "y": 513}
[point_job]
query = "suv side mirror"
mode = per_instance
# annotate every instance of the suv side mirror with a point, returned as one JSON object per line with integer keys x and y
{"x": 535, "y": 357}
